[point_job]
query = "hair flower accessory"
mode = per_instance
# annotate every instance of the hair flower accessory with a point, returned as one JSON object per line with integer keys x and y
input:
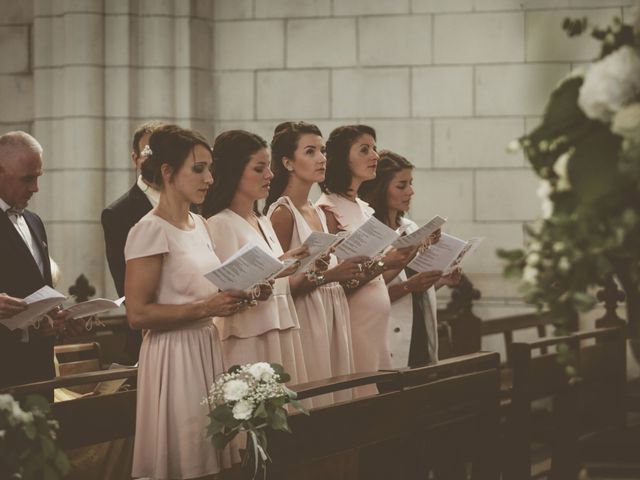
{"x": 146, "y": 151}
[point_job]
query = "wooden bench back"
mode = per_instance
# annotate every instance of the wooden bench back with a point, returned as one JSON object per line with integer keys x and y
{"x": 592, "y": 400}
{"x": 400, "y": 433}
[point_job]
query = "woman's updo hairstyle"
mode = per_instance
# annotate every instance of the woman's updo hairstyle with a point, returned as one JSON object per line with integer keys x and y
{"x": 374, "y": 192}
{"x": 284, "y": 144}
{"x": 338, "y": 176}
{"x": 232, "y": 150}
{"x": 172, "y": 145}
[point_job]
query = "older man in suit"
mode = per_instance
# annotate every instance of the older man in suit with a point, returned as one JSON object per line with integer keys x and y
{"x": 124, "y": 213}
{"x": 25, "y": 356}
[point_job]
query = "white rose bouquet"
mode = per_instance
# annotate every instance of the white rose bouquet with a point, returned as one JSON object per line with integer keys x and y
{"x": 250, "y": 398}
{"x": 27, "y": 441}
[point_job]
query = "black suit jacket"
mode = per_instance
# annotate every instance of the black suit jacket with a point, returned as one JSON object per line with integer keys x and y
{"x": 117, "y": 220}
{"x": 20, "y": 276}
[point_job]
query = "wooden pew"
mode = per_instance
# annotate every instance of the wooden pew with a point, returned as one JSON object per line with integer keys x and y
{"x": 89, "y": 420}
{"x": 591, "y": 402}
{"x": 428, "y": 417}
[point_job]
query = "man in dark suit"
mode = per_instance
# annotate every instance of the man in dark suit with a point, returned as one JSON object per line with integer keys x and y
{"x": 124, "y": 213}
{"x": 25, "y": 356}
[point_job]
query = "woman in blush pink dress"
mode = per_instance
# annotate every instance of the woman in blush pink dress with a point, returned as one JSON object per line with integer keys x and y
{"x": 352, "y": 158}
{"x": 269, "y": 332}
{"x": 168, "y": 252}
{"x": 298, "y": 163}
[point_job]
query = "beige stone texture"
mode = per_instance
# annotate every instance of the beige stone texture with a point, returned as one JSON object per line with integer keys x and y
{"x": 248, "y": 44}
{"x": 292, "y": 8}
{"x": 14, "y": 49}
{"x": 395, "y": 40}
{"x": 506, "y": 195}
{"x": 370, "y": 93}
{"x": 234, "y": 95}
{"x": 409, "y": 138}
{"x": 16, "y": 98}
{"x": 442, "y": 91}
{"x": 290, "y": 94}
{"x": 368, "y": 7}
{"x": 329, "y": 42}
{"x": 479, "y": 38}
{"x": 438, "y": 6}
{"x": 442, "y": 192}
{"x": 232, "y": 9}
{"x": 476, "y": 142}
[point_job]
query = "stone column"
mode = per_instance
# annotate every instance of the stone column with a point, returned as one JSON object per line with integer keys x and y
{"x": 100, "y": 69}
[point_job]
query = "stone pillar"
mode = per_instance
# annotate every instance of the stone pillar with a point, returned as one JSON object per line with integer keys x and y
{"x": 100, "y": 69}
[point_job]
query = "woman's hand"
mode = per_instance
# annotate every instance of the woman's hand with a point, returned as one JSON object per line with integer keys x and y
{"x": 349, "y": 269}
{"x": 421, "y": 282}
{"x": 295, "y": 253}
{"x": 397, "y": 258}
{"x": 450, "y": 280}
{"x": 229, "y": 302}
{"x": 263, "y": 291}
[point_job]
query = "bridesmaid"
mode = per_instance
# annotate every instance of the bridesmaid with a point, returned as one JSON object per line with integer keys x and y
{"x": 167, "y": 252}
{"x": 413, "y": 327}
{"x": 269, "y": 332}
{"x": 352, "y": 158}
{"x": 298, "y": 163}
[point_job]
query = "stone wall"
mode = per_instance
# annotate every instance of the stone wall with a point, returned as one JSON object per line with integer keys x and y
{"x": 447, "y": 83}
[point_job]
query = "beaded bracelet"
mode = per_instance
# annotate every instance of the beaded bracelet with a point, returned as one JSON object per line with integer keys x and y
{"x": 314, "y": 277}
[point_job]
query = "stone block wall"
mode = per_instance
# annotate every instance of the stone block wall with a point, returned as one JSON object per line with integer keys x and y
{"x": 446, "y": 83}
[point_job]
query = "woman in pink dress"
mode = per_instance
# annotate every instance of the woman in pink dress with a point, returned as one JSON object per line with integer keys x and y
{"x": 299, "y": 163}
{"x": 269, "y": 332}
{"x": 168, "y": 252}
{"x": 351, "y": 160}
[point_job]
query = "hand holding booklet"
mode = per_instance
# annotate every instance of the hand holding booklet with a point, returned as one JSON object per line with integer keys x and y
{"x": 416, "y": 238}
{"x": 371, "y": 238}
{"x": 92, "y": 307}
{"x": 444, "y": 255}
{"x": 318, "y": 244}
{"x": 38, "y": 303}
{"x": 247, "y": 267}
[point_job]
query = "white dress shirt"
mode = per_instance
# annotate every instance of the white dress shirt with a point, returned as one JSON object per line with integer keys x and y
{"x": 151, "y": 193}
{"x": 23, "y": 229}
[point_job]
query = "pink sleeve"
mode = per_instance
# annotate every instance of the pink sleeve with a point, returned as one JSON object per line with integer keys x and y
{"x": 146, "y": 238}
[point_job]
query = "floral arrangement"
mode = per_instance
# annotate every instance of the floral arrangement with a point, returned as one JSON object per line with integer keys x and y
{"x": 586, "y": 152}
{"x": 27, "y": 441}
{"x": 250, "y": 398}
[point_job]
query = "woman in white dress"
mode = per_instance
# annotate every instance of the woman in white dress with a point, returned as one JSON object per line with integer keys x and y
{"x": 298, "y": 162}
{"x": 413, "y": 329}
{"x": 269, "y": 332}
{"x": 168, "y": 252}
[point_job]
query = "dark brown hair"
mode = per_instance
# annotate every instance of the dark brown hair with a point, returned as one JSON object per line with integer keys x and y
{"x": 284, "y": 144}
{"x": 232, "y": 151}
{"x": 374, "y": 192}
{"x": 338, "y": 176}
{"x": 172, "y": 145}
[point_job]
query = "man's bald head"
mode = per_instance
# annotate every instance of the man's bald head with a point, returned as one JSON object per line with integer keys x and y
{"x": 20, "y": 167}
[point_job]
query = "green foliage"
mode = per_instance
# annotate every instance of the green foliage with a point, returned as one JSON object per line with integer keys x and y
{"x": 27, "y": 441}
{"x": 591, "y": 177}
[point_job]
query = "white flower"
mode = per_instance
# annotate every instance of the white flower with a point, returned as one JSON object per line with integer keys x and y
{"x": 2, "y": 433}
{"x": 262, "y": 371}
{"x": 146, "y": 151}
{"x": 547, "y": 209}
{"x": 626, "y": 122}
{"x": 6, "y": 401}
{"x": 564, "y": 265}
{"x": 559, "y": 246}
{"x": 530, "y": 274}
{"x": 242, "y": 410}
{"x": 543, "y": 192}
{"x": 533, "y": 258}
{"x": 560, "y": 167}
{"x": 535, "y": 247}
{"x": 235, "y": 390}
{"x": 514, "y": 146}
{"x": 610, "y": 84}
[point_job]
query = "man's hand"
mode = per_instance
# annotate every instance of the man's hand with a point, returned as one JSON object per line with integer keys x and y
{"x": 9, "y": 306}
